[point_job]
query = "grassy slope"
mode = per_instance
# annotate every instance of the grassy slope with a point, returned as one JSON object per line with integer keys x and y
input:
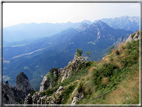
{"x": 118, "y": 73}
{"x": 123, "y": 77}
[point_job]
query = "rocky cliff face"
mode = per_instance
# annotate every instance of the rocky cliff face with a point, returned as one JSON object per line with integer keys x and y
{"x": 13, "y": 95}
{"x": 23, "y": 84}
{"x": 8, "y": 94}
{"x": 59, "y": 75}
{"x": 55, "y": 98}
{"x": 62, "y": 73}
{"x": 127, "y": 38}
{"x": 135, "y": 37}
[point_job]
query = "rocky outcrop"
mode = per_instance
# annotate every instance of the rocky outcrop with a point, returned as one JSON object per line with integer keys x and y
{"x": 75, "y": 64}
{"x": 62, "y": 73}
{"x": 23, "y": 84}
{"x": 58, "y": 75}
{"x": 122, "y": 39}
{"x": 127, "y": 38}
{"x": 35, "y": 98}
{"x": 78, "y": 97}
{"x": 14, "y": 95}
{"x": 44, "y": 84}
{"x": 8, "y": 94}
{"x": 47, "y": 80}
{"x": 133, "y": 37}
{"x": 28, "y": 99}
{"x": 75, "y": 99}
{"x": 59, "y": 89}
{"x": 55, "y": 98}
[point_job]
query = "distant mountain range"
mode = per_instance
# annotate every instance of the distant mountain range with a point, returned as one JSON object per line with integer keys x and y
{"x": 26, "y": 33}
{"x": 32, "y": 31}
{"x": 124, "y": 22}
{"x": 58, "y": 50}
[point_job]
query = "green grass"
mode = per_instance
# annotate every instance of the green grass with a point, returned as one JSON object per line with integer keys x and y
{"x": 76, "y": 75}
{"x": 48, "y": 92}
{"x": 115, "y": 74}
{"x": 67, "y": 92}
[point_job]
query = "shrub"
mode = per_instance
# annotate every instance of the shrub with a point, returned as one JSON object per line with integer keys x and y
{"x": 46, "y": 92}
{"x": 117, "y": 52}
{"x": 32, "y": 92}
{"x": 89, "y": 63}
{"x": 79, "y": 52}
{"x": 79, "y": 89}
{"x": 53, "y": 69}
{"x": 97, "y": 80}
{"x": 128, "y": 45}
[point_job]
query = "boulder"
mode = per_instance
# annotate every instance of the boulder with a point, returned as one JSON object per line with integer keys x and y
{"x": 75, "y": 99}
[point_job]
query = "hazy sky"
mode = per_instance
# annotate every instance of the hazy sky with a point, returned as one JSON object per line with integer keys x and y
{"x": 16, "y": 13}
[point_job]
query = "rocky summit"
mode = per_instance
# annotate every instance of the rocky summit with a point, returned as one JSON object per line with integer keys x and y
{"x": 23, "y": 84}
{"x": 17, "y": 94}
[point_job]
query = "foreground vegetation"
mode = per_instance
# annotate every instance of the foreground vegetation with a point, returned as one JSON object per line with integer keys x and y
{"x": 113, "y": 80}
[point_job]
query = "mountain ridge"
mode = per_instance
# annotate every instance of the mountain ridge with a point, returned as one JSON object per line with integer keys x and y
{"x": 123, "y": 22}
{"x": 34, "y": 30}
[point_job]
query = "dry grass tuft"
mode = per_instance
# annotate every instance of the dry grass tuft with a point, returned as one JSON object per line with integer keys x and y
{"x": 91, "y": 69}
{"x": 89, "y": 87}
{"x": 106, "y": 58}
{"x": 115, "y": 52}
{"x": 105, "y": 80}
{"x": 120, "y": 65}
{"x": 121, "y": 46}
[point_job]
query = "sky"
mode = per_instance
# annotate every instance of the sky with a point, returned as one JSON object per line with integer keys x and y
{"x": 16, "y": 13}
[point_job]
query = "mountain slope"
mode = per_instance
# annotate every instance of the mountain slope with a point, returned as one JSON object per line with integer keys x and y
{"x": 41, "y": 44}
{"x": 96, "y": 37}
{"x": 106, "y": 81}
